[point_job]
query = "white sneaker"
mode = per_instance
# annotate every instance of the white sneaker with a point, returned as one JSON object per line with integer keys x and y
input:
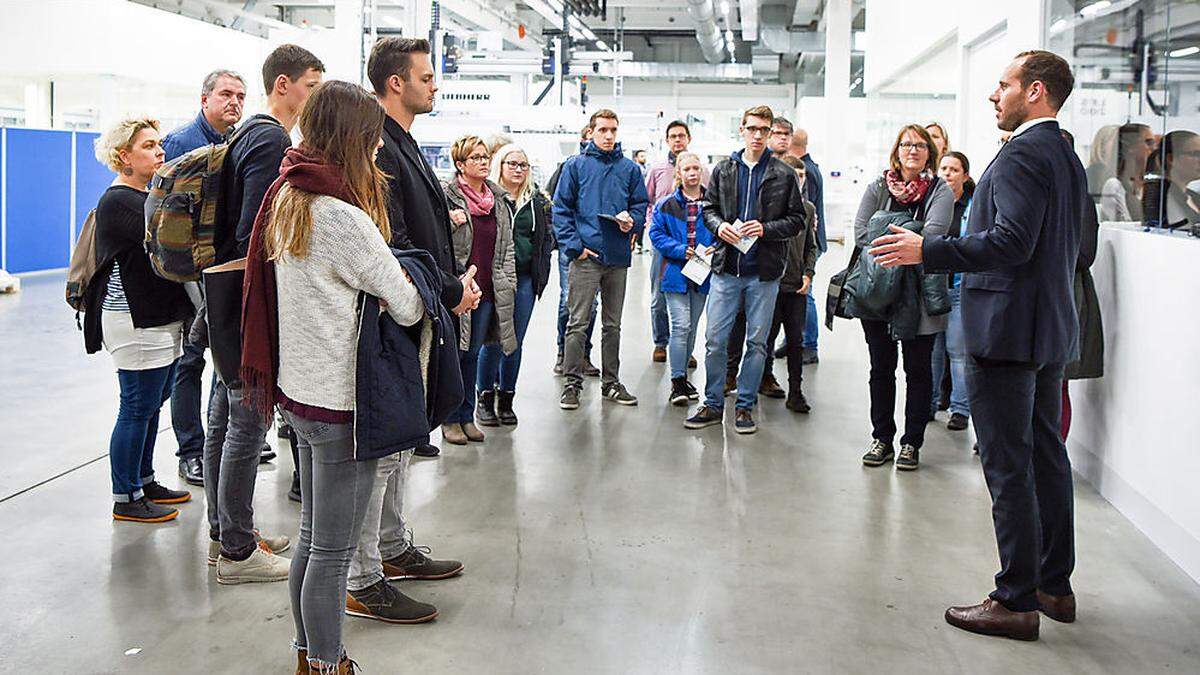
{"x": 276, "y": 544}
{"x": 214, "y": 552}
{"x": 261, "y": 566}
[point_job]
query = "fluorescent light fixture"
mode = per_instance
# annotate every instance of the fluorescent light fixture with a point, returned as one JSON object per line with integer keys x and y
{"x": 723, "y": 8}
{"x": 729, "y": 36}
{"x": 1186, "y": 51}
{"x": 1095, "y": 7}
{"x": 1059, "y": 26}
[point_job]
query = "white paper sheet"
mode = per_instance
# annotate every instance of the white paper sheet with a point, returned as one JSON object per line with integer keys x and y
{"x": 697, "y": 270}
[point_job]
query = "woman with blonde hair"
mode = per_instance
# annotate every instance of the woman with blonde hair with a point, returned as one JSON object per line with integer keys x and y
{"x": 533, "y": 239}
{"x": 941, "y": 139}
{"x": 482, "y": 231}
{"x": 137, "y": 317}
{"x": 321, "y": 239}
{"x": 678, "y": 233}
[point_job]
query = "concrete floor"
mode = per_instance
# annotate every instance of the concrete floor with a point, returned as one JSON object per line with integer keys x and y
{"x": 606, "y": 540}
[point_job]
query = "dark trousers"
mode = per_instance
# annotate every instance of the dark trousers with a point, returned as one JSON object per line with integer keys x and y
{"x": 791, "y": 313}
{"x": 918, "y": 376}
{"x": 185, "y": 401}
{"x": 737, "y": 340}
{"x": 1017, "y": 411}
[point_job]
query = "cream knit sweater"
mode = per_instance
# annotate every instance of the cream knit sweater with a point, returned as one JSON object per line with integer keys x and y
{"x": 318, "y": 317}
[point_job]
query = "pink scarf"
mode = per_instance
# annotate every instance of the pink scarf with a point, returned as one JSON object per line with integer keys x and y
{"x": 478, "y": 203}
{"x": 909, "y": 192}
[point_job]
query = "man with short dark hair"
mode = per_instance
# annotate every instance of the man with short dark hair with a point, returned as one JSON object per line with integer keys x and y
{"x": 236, "y": 432}
{"x": 757, "y": 206}
{"x": 660, "y": 183}
{"x": 402, "y": 75}
{"x": 599, "y": 206}
{"x": 221, "y": 98}
{"x": 1021, "y": 328}
{"x": 781, "y": 137}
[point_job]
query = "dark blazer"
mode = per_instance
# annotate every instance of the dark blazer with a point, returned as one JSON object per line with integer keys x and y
{"x": 780, "y": 210}
{"x": 1020, "y": 251}
{"x": 417, "y": 207}
{"x": 407, "y": 379}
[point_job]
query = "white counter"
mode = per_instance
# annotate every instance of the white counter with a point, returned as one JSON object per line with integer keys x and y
{"x": 1136, "y": 431}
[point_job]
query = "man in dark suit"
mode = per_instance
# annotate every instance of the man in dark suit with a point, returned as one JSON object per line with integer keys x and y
{"x": 1021, "y": 329}
{"x": 402, "y": 75}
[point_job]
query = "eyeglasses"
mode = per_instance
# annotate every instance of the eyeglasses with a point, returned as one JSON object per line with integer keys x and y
{"x": 757, "y": 131}
{"x": 517, "y": 166}
{"x": 906, "y": 146}
{"x": 479, "y": 158}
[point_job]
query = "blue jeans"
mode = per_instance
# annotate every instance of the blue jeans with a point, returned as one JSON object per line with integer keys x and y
{"x": 481, "y": 318}
{"x": 812, "y": 325}
{"x": 727, "y": 296}
{"x": 185, "y": 401}
{"x": 496, "y": 369}
{"x": 131, "y": 447}
{"x": 564, "y": 270}
{"x": 956, "y": 347}
{"x": 660, "y": 324}
{"x": 232, "y": 451}
{"x": 685, "y": 310}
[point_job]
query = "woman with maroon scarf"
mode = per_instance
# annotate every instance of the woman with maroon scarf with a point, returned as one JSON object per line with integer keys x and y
{"x": 320, "y": 238}
{"x": 482, "y": 232}
{"x": 909, "y": 184}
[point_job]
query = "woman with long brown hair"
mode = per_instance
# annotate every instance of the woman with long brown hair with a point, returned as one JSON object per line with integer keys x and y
{"x": 320, "y": 238}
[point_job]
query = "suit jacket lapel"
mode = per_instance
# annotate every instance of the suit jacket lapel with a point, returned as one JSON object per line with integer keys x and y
{"x": 414, "y": 156}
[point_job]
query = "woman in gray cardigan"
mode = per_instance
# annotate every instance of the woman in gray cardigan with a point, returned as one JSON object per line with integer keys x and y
{"x": 482, "y": 233}
{"x": 910, "y": 184}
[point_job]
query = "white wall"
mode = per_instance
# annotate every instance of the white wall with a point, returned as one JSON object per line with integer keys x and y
{"x": 1135, "y": 434}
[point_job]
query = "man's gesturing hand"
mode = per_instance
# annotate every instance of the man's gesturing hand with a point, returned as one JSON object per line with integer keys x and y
{"x": 729, "y": 234}
{"x": 471, "y": 293}
{"x": 901, "y": 247}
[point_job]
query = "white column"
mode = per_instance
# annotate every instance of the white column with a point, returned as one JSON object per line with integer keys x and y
{"x": 837, "y": 68}
{"x": 37, "y": 105}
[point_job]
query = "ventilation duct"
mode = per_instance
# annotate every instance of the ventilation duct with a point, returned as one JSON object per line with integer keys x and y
{"x": 712, "y": 45}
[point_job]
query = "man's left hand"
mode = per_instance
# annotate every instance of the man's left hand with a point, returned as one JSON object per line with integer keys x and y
{"x": 901, "y": 247}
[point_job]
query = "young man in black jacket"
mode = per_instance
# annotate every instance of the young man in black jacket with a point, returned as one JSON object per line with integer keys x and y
{"x": 236, "y": 433}
{"x": 402, "y": 75}
{"x": 757, "y": 205}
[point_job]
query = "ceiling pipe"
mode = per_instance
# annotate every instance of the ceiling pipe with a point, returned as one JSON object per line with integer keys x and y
{"x": 712, "y": 45}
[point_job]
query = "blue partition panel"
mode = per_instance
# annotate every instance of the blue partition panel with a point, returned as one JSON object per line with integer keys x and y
{"x": 38, "y": 208}
{"x": 91, "y": 177}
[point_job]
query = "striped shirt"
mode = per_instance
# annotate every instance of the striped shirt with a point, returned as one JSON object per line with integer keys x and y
{"x": 114, "y": 298}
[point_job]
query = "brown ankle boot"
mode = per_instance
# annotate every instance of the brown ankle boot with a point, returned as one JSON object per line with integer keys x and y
{"x": 346, "y": 666}
{"x": 302, "y": 662}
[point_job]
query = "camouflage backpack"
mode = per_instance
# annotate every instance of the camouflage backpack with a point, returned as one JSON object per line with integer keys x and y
{"x": 185, "y": 206}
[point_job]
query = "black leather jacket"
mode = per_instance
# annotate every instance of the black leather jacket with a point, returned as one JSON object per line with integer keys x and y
{"x": 780, "y": 210}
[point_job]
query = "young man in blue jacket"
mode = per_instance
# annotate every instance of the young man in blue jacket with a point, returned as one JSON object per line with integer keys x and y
{"x": 599, "y": 208}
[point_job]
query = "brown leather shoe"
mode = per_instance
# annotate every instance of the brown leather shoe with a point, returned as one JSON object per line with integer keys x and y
{"x": 770, "y": 388}
{"x": 472, "y": 432}
{"x": 302, "y": 662}
{"x": 1061, "y": 608}
{"x": 992, "y": 618}
{"x": 659, "y": 355}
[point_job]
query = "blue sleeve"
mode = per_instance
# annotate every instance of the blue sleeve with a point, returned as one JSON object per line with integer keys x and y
{"x": 816, "y": 190}
{"x": 660, "y": 237}
{"x": 639, "y": 199}
{"x": 1020, "y": 199}
{"x": 566, "y": 195}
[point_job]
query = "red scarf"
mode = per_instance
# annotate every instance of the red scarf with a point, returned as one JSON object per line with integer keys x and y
{"x": 478, "y": 203}
{"x": 305, "y": 170}
{"x": 907, "y": 192}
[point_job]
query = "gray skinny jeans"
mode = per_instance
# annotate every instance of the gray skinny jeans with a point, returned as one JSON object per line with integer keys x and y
{"x": 232, "y": 450}
{"x": 335, "y": 490}
{"x": 586, "y": 277}
{"x": 383, "y": 534}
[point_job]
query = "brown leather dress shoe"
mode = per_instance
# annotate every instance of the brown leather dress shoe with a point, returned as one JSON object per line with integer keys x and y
{"x": 992, "y": 618}
{"x": 659, "y": 355}
{"x": 1061, "y": 608}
